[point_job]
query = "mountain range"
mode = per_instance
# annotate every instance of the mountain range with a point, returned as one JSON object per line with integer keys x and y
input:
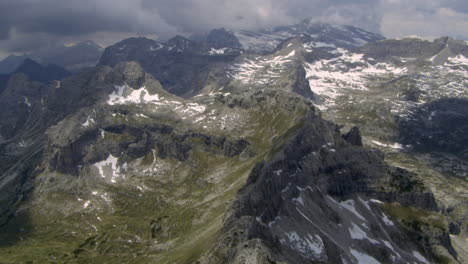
{"x": 71, "y": 57}
{"x": 308, "y": 143}
{"x": 35, "y": 72}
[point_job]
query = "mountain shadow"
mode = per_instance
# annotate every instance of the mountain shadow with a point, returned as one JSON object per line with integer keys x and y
{"x": 438, "y": 126}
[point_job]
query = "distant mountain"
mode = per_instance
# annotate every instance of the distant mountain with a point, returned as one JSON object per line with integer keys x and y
{"x": 186, "y": 66}
{"x": 40, "y": 73}
{"x": 10, "y": 63}
{"x": 267, "y": 40}
{"x": 183, "y": 66}
{"x": 220, "y": 38}
{"x": 35, "y": 72}
{"x": 73, "y": 58}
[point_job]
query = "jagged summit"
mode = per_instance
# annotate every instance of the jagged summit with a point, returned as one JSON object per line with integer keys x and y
{"x": 11, "y": 63}
{"x": 87, "y": 43}
{"x": 169, "y": 62}
{"x": 415, "y": 48}
{"x": 40, "y": 73}
{"x": 221, "y": 38}
{"x": 180, "y": 43}
{"x": 343, "y": 36}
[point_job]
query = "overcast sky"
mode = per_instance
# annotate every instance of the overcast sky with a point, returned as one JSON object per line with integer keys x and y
{"x": 27, "y": 25}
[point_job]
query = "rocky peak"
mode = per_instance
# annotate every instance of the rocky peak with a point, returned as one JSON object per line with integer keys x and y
{"x": 89, "y": 44}
{"x": 11, "y": 63}
{"x": 221, "y": 38}
{"x": 28, "y": 64}
{"x": 134, "y": 42}
{"x": 354, "y": 136}
{"x": 180, "y": 44}
{"x": 443, "y": 40}
{"x": 266, "y": 40}
{"x": 40, "y": 73}
{"x": 132, "y": 73}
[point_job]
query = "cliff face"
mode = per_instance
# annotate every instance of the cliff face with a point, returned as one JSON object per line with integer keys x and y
{"x": 321, "y": 199}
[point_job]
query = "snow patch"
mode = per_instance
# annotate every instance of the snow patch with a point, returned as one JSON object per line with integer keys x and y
{"x": 88, "y": 122}
{"x": 271, "y": 223}
{"x": 420, "y": 257}
{"x": 309, "y": 245}
{"x": 350, "y": 71}
{"x": 160, "y": 46}
{"x": 366, "y": 204}
{"x": 109, "y": 168}
{"x": 387, "y": 220}
{"x": 214, "y": 51}
{"x": 135, "y": 96}
{"x": 376, "y": 201}
{"x": 298, "y": 200}
{"x": 26, "y": 102}
{"x": 459, "y": 59}
{"x": 349, "y": 204}
{"x": 190, "y": 109}
{"x": 359, "y": 234}
{"x": 261, "y": 70}
{"x": 387, "y": 244}
{"x": 393, "y": 146}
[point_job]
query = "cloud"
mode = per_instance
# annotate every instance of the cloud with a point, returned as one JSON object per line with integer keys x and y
{"x": 27, "y": 25}
{"x": 425, "y": 18}
{"x": 30, "y": 24}
{"x": 192, "y": 16}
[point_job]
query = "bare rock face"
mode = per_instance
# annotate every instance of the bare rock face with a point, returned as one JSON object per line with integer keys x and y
{"x": 438, "y": 126}
{"x": 318, "y": 200}
{"x": 354, "y": 137}
{"x": 221, "y": 38}
{"x": 181, "y": 65}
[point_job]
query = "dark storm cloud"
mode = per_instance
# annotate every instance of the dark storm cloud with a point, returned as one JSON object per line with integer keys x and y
{"x": 29, "y": 24}
{"x": 198, "y": 15}
{"x": 72, "y": 17}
